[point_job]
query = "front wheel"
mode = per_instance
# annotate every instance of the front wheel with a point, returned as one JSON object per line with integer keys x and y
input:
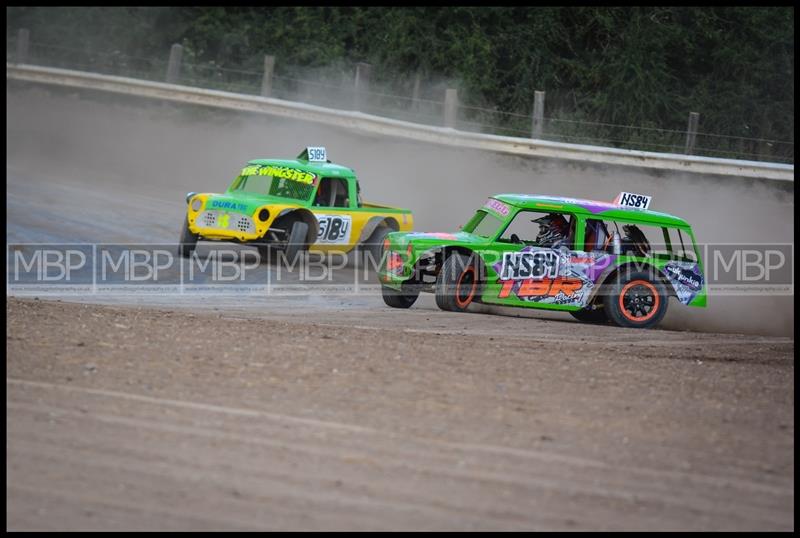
{"x": 637, "y": 299}
{"x": 188, "y": 241}
{"x": 297, "y": 240}
{"x": 404, "y": 298}
{"x": 457, "y": 283}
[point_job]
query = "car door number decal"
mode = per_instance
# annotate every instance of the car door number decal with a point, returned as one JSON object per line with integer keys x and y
{"x": 535, "y": 265}
{"x": 334, "y": 228}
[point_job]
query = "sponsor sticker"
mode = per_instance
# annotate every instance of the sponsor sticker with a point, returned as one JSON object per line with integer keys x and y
{"x": 281, "y": 172}
{"x": 497, "y": 206}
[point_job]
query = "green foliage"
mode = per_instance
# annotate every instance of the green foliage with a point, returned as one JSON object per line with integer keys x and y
{"x": 636, "y": 66}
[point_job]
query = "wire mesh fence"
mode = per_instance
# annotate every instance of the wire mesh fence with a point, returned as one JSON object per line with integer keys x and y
{"x": 407, "y": 100}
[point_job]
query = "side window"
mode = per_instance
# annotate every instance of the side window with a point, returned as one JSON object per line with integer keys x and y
{"x": 535, "y": 228}
{"x": 332, "y": 192}
{"x": 685, "y": 248}
{"x": 597, "y": 236}
{"x": 643, "y": 240}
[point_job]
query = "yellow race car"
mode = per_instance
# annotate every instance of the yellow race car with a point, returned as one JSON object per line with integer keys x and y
{"x": 307, "y": 203}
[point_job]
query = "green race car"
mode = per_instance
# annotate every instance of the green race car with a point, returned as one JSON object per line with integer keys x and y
{"x": 599, "y": 261}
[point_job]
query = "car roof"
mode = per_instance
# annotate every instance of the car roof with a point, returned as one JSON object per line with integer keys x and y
{"x": 318, "y": 168}
{"x": 594, "y": 208}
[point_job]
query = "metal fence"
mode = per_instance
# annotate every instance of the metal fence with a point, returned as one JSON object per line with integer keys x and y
{"x": 348, "y": 87}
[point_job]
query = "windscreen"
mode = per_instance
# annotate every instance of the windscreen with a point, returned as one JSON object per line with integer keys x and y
{"x": 483, "y": 224}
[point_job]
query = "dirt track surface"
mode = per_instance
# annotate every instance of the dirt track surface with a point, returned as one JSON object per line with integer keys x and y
{"x": 137, "y": 418}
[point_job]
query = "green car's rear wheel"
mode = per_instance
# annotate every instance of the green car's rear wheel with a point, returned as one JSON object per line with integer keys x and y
{"x": 637, "y": 299}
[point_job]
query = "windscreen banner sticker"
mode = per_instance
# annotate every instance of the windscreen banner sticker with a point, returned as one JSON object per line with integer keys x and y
{"x": 550, "y": 276}
{"x": 334, "y": 229}
{"x": 686, "y": 279}
{"x": 497, "y": 206}
{"x": 281, "y": 172}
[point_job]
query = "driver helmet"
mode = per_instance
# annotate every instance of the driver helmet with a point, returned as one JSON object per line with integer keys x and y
{"x": 553, "y": 230}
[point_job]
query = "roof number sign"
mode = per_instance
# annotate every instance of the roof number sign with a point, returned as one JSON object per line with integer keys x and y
{"x": 317, "y": 155}
{"x": 636, "y": 201}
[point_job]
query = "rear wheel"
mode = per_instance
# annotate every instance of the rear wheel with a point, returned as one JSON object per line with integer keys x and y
{"x": 188, "y": 241}
{"x": 637, "y": 299}
{"x": 371, "y": 250}
{"x": 404, "y": 298}
{"x": 457, "y": 283}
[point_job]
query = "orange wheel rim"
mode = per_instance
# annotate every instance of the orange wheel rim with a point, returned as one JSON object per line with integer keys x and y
{"x": 639, "y": 300}
{"x": 469, "y": 276}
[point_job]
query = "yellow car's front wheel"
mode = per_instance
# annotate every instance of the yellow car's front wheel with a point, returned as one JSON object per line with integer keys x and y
{"x": 188, "y": 241}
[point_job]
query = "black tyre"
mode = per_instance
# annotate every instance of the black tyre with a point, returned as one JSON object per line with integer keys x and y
{"x": 586, "y": 315}
{"x": 457, "y": 283}
{"x": 371, "y": 250}
{"x": 264, "y": 249}
{"x": 636, "y": 299}
{"x": 188, "y": 241}
{"x": 297, "y": 241}
{"x": 404, "y": 298}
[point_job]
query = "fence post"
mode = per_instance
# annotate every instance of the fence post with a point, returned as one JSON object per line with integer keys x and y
{"x": 361, "y": 85}
{"x": 174, "y": 66}
{"x": 538, "y": 114}
{"x": 764, "y": 147}
{"x": 691, "y": 132}
{"x": 450, "y": 107}
{"x": 415, "y": 93}
{"x": 23, "y": 40}
{"x": 266, "y": 82}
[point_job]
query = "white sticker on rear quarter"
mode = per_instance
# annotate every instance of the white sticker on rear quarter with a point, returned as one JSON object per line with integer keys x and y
{"x": 334, "y": 229}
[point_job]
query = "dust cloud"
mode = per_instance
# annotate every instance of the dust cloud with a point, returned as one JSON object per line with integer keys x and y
{"x": 140, "y": 147}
